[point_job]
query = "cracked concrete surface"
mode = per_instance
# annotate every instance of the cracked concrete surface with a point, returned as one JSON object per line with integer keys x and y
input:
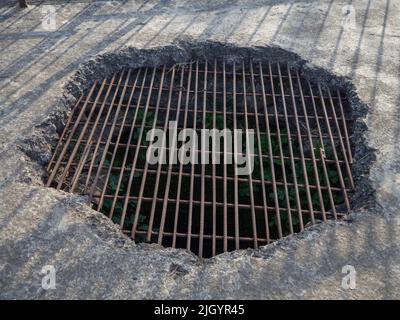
{"x": 41, "y": 226}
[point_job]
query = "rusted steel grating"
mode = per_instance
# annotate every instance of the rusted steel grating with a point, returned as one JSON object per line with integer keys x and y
{"x": 302, "y": 155}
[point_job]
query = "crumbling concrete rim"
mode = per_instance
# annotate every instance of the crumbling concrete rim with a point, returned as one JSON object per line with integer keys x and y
{"x": 364, "y": 155}
{"x": 39, "y": 146}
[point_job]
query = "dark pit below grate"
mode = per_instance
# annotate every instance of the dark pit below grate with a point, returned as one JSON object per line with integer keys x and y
{"x": 302, "y": 154}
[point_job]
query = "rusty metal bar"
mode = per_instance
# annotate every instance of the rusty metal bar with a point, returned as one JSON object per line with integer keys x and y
{"x": 250, "y": 179}
{"x": 134, "y": 146}
{"x": 228, "y": 178}
{"x": 214, "y": 181}
{"x": 161, "y": 162}
{"x": 110, "y": 134}
{"x": 332, "y": 143}
{"x": 314, "y": 161}
{"x": 203, "y": 167}
{"x": 219, "y": 204}
{"x": 67, "y": 143}
{"x": 88, "y": 140}
{"x": 342, "y": 117}
{"x": 103, "y": 129}
{"x": 192, "y": 167}
{"x": 238, "y": 93}
{"x": 344, "y": 152}
{"x": 238, "y": 112}
{"x": 126, "y": 153}
{"x": 270, "y": 153}
{"x": 196, "y": 236}
{"x": 228, "y": 114}
{"x": 225, "y": 169}
{"x": 278, "y": 131}
{"x": 260, "y": 155}
{"x": 138, "y": 205}
{"x": 235, "y": 154}
{"x": 179, "y": 185}
{"x": 61, "y": 140}
{"x": 169, "y": 174}
{"x": 300, "y": 143}
{"x": 296, "y": 188}
{"x": 322, "y": 147}
{"x": 100, "y": 204}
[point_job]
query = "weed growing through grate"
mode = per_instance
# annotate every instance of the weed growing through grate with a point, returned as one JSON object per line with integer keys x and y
{"x": 279, "y": 167}
{"x": 115, "y": 206}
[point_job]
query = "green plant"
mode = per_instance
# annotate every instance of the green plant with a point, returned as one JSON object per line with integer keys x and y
{"x": 219, "y": 121}
{"x": 272, "y": 145}
{"x": 281, "y": 167}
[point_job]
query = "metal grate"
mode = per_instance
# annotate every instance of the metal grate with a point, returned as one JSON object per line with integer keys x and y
{"x": 302, "y": 155}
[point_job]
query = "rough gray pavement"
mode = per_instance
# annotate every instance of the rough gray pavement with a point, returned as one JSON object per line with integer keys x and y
{"x": 41, "y": 226}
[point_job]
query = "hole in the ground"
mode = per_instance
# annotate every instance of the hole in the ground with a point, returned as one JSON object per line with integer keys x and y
{"x": 301, "y": 154}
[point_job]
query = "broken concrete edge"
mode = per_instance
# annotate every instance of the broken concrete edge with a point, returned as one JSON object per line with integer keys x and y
{"x": 110, "y": 235}
{"x": 364, "y": 156}
{"x": 100, "y": 226}
{"x": 41, "y": 143}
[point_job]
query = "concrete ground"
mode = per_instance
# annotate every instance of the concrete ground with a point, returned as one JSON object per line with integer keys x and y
{"x": 41, "y": 226}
